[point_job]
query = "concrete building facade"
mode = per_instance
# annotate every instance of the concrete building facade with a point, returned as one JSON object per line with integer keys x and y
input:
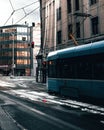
{"x": 37, "y": 42}
{"x": 59, "y": 18}
{"x": 67, "y": 23}
{"x": 15, "y": 50}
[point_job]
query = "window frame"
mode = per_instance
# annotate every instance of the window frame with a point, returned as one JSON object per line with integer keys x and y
{"x": 95, "y": 25}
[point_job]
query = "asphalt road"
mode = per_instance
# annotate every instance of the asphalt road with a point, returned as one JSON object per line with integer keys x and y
{"x": 42, "y": 111}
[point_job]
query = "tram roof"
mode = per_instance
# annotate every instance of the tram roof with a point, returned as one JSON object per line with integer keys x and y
{"x": 91, "y": 48}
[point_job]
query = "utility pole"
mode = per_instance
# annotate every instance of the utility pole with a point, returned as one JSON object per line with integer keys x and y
{"x": 13, "y": 54}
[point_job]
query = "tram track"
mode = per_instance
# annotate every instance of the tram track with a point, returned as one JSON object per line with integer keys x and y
{"x": 95, "y": 109}
{"x": 84, "y": 106}
{"x": 68, "y": 107}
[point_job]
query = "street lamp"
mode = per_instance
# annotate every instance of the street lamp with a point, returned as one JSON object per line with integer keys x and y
{"x": 13, "y": 54}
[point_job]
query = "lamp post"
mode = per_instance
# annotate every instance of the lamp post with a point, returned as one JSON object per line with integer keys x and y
{"x": 13, "y": 54}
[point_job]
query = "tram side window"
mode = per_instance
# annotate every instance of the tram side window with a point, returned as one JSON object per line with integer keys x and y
{"x": 98, "y": 71}
{"x": 77, "y": 67}
{"x": 90, "y": 67}
{"x": 98, "y": 67}
{"x": 52, "y": 69}
{"x": 82, "y": 67}
{"x": 68, "y": 70}
{"x": 65, "y": 70}
{"x": 59, "y": 68}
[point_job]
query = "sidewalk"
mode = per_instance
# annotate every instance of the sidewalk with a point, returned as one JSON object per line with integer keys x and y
{"x": 5, "y": 120}
{"x": 23, "y": 82}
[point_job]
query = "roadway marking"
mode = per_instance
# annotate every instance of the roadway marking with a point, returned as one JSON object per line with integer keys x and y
{"x": 45, "y": 98}
{"x": 53, "y": 120}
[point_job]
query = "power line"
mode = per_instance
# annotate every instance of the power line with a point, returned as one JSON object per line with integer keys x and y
{"x": 22, "y": 8}
{"x": 27, "y": 15}
{"x": 11, "y": 13}
{"x": 11, "y": 4}
{"x": 26, "y": 6}
{"x": 9, "y": 18}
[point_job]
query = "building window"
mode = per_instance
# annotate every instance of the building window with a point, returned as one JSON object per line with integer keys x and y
{"x": 94, "y": 23}
{"x": 69, "y": 30}
{"x": 78, "y": 29}
{"x": 59, "y": 37}
{"x": 76, "y": 4}
{"x": 59, "y": 13}
{"x": 69, "y": 6}
{"x": 22, "y": 62}
{"x": 22, "y": 53}
{"x": 22, "y": 45}
{"x": 93, "y": 2}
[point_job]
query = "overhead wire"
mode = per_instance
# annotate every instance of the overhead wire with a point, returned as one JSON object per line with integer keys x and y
{"x": 27, "y": 5}
{"x": 27, "y": 15}
{"x": 9, "y": 18}
{"x": 22, "y": 8}
{"x": 11, "y": 4}
{"x": 11, "y": 13}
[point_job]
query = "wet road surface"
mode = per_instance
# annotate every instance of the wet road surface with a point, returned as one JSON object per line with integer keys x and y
{"x": 25, "y": 107}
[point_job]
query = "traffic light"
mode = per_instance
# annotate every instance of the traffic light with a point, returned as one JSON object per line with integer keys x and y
{"x": 32, "y": 45}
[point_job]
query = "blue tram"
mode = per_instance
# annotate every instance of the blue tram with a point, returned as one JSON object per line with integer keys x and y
{"x": 77, "y": 71}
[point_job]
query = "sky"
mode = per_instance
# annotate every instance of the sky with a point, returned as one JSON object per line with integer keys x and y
{"x": 19, "y": 11}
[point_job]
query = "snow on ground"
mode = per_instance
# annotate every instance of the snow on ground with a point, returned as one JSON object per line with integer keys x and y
{"x": 33, "y": 95}
{"x": 6, "y": 84}
{"x": 50, "y": 99}
{"x": 7, "y": 81}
